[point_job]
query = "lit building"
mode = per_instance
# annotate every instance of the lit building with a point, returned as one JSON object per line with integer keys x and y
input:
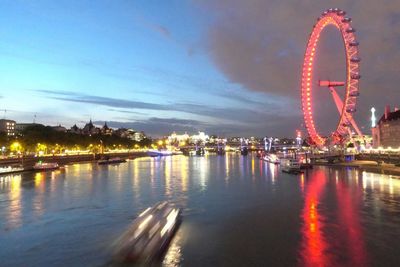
{"x": 178, "y": 139}
{"x": 139, "y": 136}
{"x": 386, "y": 133}
{"x": 7, "y": 126}
{"x": 199, "y": 138}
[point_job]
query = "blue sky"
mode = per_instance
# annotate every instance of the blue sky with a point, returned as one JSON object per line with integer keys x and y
{"x": 156, "y": 66}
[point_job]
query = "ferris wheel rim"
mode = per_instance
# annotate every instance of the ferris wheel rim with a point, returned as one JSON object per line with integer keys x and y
{"x": 337, "y": 18}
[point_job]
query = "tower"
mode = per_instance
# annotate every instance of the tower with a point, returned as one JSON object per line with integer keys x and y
{"x": 373, "y": 118}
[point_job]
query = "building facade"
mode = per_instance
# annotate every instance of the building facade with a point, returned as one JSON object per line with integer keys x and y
{"x": 20, "y": 127}
{"x": 386, "y": 133}
{"x": 8, "y": 127}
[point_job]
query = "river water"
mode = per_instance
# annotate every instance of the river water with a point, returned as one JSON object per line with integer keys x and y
{"x": 237, "y": 211}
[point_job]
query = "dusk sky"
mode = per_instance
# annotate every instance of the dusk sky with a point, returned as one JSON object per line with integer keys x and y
{"x": 228, "y": 67}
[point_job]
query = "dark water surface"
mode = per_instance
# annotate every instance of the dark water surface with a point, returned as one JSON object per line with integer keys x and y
{"x": 237, "y": 211}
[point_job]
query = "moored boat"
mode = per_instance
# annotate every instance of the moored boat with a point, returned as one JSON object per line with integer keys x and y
{"x": 44, "y": 166}
{"x": 159, "y": 153}
{"x": 11, "y": 169}
{"x": 110, "y": 161}
{"x": 290, "y": 165}
{"x": 271, "y": 158}
{"x": 148, "y": 235}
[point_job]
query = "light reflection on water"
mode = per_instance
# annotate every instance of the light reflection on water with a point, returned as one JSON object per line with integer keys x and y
{"x": 234, "y": 207}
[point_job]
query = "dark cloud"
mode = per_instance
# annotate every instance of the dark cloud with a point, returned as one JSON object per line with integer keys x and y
{"x": 227, "y": 121}
{"x": 240, "y": 115}
{"x": 159, "y": 126}
{"x": 104, "y": 101}
{"x": 164, "y": 126}
{"x": 126, "y": 111}
{"x": 260, "y": 45}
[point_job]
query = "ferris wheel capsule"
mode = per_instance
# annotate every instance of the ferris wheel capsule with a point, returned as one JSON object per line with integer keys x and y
{"x": 346, "y": 20}
{"x": 355, "y": 59}
{"x": 354, "y": 43}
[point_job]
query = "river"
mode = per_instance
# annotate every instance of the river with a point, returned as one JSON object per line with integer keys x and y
{"x": 237, "y": 211}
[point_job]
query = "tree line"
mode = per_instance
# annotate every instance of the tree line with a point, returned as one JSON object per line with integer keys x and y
{"x": 32, "y": 136}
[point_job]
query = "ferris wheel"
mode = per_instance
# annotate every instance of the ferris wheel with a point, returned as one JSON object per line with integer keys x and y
{"x": 347, "y": 106}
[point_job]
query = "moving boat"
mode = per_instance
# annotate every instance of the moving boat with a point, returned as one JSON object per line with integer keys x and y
{"x": 290, "y": 165}
{"x": 44, "y": 166}
{"x": 149, "y": 234}
{"x": 110, "y": 161}
{"x": 272, "y": 158}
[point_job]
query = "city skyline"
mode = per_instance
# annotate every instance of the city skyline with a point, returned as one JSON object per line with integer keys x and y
{"x": 225, "y": 67}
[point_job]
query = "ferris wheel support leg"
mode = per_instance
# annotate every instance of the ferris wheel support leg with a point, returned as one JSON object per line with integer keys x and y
{"x": 339, "y": 106}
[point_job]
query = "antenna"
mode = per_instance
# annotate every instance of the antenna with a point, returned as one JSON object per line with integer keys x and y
{"x": 34, "y": 118}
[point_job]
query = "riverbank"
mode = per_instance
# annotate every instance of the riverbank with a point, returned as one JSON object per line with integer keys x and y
{"x": 28, "y": 162}
{"x": 368, "y": 166}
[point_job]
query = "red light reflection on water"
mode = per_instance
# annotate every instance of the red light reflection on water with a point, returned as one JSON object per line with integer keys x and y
{"x": 349, "y": 221}
{"x": 313, "y": 245}
{"x": 337, "y": 240}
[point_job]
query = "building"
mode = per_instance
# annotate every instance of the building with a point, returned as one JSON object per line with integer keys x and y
{"x": 201, "y": 137}
{"x": 59, "y": 128}
{"x": 106, "y": 130}
{"x": 20, "y": 127}
{"x": 75, "y": 129}
{"x": 139, "y": 136}
{"x": 386, "y": 133}
{"x": 90, "y": 129}
{"x": 178, "y": 139}
{"x": 123, "y": 132}
{"x": 8, "y": 127}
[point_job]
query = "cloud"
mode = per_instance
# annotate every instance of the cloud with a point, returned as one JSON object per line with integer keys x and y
{"x": 104, "y": 101}
{"x": 219, "y": 120}
{"x": 159, "y": 126}
{"x": 163, "y": 126}
{"x": 164, "y": 32}
{"x": 239, "y": 115}
{"x": 260, "y": 45}
{"x": 126, "y": 111}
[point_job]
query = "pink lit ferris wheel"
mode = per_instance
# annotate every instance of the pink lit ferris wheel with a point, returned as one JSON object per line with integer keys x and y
{"x": 347, "y": 106}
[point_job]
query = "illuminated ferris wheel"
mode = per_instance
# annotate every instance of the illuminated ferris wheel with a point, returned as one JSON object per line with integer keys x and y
{"x": 347, "y": 106}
